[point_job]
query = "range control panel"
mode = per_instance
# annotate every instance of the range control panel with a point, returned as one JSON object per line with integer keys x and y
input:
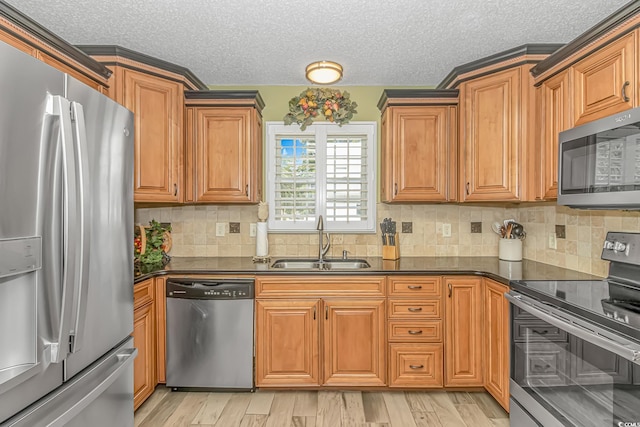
{"x": 622, "y": 247}
{"x": 210, "y": 289}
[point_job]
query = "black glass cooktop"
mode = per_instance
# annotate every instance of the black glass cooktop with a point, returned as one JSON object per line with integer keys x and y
{"x": 604, "y": 302}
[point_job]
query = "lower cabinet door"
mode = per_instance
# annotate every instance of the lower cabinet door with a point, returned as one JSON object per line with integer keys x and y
{"x": 354, "y": 342}
{"x": 415, "y": 365}
{"x": 287, "y": 343}
{"x": 144, "y": 365}
{"x": 496, "y": 342}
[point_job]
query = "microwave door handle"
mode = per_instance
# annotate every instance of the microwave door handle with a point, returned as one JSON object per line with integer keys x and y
{"x": 60, "y": 107}
{"x": 81, "y": 279}
{"x": 553, "y": 316}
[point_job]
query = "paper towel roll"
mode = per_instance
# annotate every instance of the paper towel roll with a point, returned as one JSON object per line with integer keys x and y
{"x": 262, "y": 242}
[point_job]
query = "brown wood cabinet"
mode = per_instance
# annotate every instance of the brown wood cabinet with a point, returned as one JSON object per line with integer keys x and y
{"x": 157, "y": 106}
{"x": 287, "y": 343}
{"x": 161, "y": 328}
{"x": 224, "y": 149}
{"x": 496, "y": 341}
{"x": 415, "y": 332}
{"x": 144, "y": 338}
{"x": 354, "y": 342}
{"x": 463, "y": 332}
{"x": 332, "y": 339}
{"x": 555, "y": 116}
{"x": 419, "y": 154}
{"x": 22, "y": 33}
{"x": 604, "y": 82}
{"x": 492, "y": 136}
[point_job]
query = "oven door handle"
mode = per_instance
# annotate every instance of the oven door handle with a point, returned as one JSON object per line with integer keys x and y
{"x": 579, "y": 328}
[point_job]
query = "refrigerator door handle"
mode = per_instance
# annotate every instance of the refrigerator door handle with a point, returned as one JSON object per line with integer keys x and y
{"x": 61, "y": 107}
{"x": 81, "y": 282}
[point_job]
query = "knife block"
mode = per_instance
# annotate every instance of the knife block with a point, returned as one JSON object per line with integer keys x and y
{"x": 391, "y": 252}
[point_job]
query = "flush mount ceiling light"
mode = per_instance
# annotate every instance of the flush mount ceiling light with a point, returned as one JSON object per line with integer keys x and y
{"x": 324, "y": 72}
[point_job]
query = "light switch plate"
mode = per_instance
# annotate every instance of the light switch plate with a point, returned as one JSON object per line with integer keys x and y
{"x": 553, "y": 244}
{"x": 446, "y": 230}
{"x": 253, "y": 229}
{"x": 221, "y": 228}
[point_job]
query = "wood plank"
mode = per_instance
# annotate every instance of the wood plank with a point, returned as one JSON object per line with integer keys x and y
{"x": 253, "y": 420}
{"x": 445, "y": 409}
{"x": 398, "y": 409}
{"x": 234, "y": 410}
{"x": 302, "y": 421}
{"x": 488, "y": 405}
{"x": 260, "y": 403}
{"x": 353, "y": 410}
{"x": 187, "y": 410}
{"x": 426, "y": 419}
{"x": 500, "y": 422}
{"x": 460, "y": 397}
{"x": 329, "y": 409}
{"x": 375, "y": 411}
{"x": 474, "y": 415}
{"x": 281, "y": 409}
{"x": 163, "y": 412}
{"x": 150, "y": 405}
{"x": 306, "y": 404}
{"x": 212, "y": 408}
{"x": 418, "y": 402}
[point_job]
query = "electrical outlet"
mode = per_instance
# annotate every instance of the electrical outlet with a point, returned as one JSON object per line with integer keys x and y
{"x": 446, "y": 230}
{"x": 253, "y": 229}
{"x": 221, "y": 228}
{"x": 553, "y": 244}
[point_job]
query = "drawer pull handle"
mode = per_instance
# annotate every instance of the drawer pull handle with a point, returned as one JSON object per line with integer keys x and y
{"x": 450, "y": 289}
{"x": 414, "y": 286}
{"x": 411, "y": 332}
{"x": 414, "y": 309}
{"x": 314, "y": 313}
{"x": 395, "y": 189}
{"x": 625, "y": 98}
{"x": 540, "y": 331}
{"x": 416, "y": 366}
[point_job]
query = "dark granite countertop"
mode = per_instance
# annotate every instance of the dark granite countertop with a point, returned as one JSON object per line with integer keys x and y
{"x": 501, "y": 271}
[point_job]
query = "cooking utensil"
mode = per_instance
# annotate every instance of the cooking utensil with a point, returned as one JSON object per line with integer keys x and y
{"x": 497, "y": 228}
{"x": 384, "y": 232}
{"x": 508, "y": 231}
{"x": 392, "y": 233}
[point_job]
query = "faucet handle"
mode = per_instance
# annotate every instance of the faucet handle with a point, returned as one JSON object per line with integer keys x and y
{"x": 344, "y": 254}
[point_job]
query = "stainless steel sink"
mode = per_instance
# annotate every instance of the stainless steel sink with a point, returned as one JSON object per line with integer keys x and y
{"x": 314, "y": 264}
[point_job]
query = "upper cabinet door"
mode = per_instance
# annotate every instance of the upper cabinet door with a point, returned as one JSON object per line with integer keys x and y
{"x": 226, "y": 161}
{"x": 604, "y": 82}
{"x": 420, "y": 158}
{"x": 556, "y": 117}
{"x": 157, "y": 107}
{"x": 490, "y": 136}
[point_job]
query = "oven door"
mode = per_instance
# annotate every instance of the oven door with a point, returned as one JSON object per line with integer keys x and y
{"x": 567, "y": 371}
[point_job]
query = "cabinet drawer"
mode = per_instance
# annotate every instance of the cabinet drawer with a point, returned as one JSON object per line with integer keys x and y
{"x": 415, "y": 365}
{"x": 418, "y": 309}
{"x": 418, "y": 286}
{"x": 415, "y": 331}
{"x": 143, "y": 293}
{"x": 542, "y": 331}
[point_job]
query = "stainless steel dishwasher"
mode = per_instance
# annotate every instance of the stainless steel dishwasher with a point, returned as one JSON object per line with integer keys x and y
{"x": 210, "y": 334}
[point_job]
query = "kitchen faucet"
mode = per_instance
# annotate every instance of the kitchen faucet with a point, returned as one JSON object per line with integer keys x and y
{"x": 322, "y": 250}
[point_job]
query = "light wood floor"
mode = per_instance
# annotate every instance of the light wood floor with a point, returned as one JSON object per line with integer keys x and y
{"x": 320, "y": 409}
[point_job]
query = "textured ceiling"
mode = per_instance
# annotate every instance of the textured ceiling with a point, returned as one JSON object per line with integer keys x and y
{"x": 269, "y": 42}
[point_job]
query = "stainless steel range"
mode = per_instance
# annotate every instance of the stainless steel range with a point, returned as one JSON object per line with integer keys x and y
{"x": 575, "y": 345}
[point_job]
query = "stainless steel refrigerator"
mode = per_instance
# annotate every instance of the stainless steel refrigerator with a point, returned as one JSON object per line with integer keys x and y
{"x": 66, "y": 254}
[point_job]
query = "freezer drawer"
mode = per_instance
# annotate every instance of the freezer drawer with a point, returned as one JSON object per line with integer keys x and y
{"x": 100, "y": 396}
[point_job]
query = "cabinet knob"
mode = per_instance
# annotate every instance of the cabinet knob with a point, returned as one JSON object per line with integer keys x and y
{"x": 416, "y": 366}
{"x": 623, "y": 92}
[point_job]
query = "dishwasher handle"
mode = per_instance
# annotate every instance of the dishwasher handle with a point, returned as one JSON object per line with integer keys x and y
{"x": 223, "y": 289}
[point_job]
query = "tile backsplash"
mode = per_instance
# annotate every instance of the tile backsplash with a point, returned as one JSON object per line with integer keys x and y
{"x": 194, "y": 233}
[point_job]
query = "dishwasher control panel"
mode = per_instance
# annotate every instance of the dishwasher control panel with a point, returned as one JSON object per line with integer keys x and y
{"x": 210, "y": 289}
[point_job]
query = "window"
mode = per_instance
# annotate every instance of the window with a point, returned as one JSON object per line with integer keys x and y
{"x": 325, "y": 170}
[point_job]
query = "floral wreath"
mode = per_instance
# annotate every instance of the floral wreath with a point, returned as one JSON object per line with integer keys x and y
{"x": 315, "y": 103}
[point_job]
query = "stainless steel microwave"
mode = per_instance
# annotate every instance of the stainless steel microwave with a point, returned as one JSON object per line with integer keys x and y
{"x": 599, "y": 163}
